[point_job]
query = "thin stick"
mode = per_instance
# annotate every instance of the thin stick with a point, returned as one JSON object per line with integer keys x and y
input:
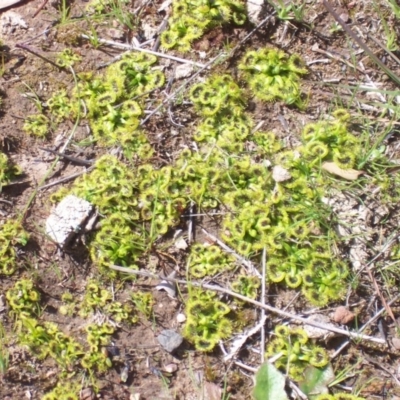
{"x": 191, "y": 223}
{"x": 354, "y": 335}
{"x": 242, "y": 260}
{"x": 35, "y": 53}
{"x": 262, "y": 344}
{"x": 172, "y": 95}
{"x": 65, "y": 179}
{"x": 382, "y": 298}
{"x": 134, "y": 48}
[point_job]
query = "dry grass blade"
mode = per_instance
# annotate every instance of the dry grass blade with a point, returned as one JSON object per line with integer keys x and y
{"x": 361, "y": 43}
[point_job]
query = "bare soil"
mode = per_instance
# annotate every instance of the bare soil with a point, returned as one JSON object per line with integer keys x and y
{"x": 330, "y": 57}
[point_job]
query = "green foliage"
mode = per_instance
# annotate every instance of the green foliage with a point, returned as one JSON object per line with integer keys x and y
{"x": 208, "y": 260}
{"x": 8, "y": 170}
{"x": 98, "y": 336}
{"x": 143, "y": 302}
{"x": 207, "y": 321}
{"x": 61, "y": 106}
{"x": 296, "y": 351}
{"x": 12, "y": 235}
{"x": 270, "y": 384}
{"x": 338, "y": 396}
{"x": 221, "y": 102}
{"x": 100, "y": 300}
{"x": 331, "y": 141}
{"x": 273, "y": 75}
{"x": 106, "y": 100}
{"x": 191, "y": 19}
{"x": 23, "y": 298}
{"x": 46, "y": 340}
{"x": 103, "y": 6}
{"x": 246, "y": 286}
{"x": 64, "y": 391}
{"x": 37, "y": 125}
{"x": 67, "y": 58}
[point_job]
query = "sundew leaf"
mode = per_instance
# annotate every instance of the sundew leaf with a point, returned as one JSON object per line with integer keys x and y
{"x": 316, "y": 380}
{"x": 270, "y": 384}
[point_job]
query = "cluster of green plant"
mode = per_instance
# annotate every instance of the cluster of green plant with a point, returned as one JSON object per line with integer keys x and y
{"x": 296, "y": 351}
{"x": 338, "y": 396}
{"x": 8, "y": 170}
{"x": 67, "y": 58}
{"x": 37, "y": 125}
{"x": 287, "y": 218}
{"x": 95, "y": 300}
{"x": 64, "y": 390}
{"x": 246, "y": 286}
{"x": 273, "y": 75}
{"x": 112, "y": 113}
{"x": 207, "y": 321}
{"x": 191, "y": 18}
{"x": 60, "y": 106}
{"x": 103, "y": 6}
{"x": 46, "y": 340}
{"x": 98, "y": 337}
{"x": 12, "y": 234}
{"x": 143, "y": 302}
{"x": 208, "y": 260}
{"x": 221, "y": 102}
{"x": 42, "y": 339}
{"x": 107, "y": 101}
{"x": 24, "y": 298}
{"x": 331, "y": 141}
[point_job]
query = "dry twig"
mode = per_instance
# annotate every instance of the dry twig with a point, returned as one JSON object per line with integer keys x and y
{"x": 134, "y": 48}
{"x": 285, "y": 314}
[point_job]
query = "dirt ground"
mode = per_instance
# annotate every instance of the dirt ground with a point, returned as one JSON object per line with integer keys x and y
{"x": 27, "y": 80}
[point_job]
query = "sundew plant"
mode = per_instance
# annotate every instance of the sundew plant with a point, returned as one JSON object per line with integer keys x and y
{"x": 286, "y": 217}
{"x": 192, "y": 18}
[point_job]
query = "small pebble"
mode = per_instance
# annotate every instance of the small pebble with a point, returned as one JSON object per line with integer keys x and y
{"x": 343, "y": 316}
{"x": 169, "y": 340}
{"x": 170, "y": 368}
{"x": 280, "y": 174}
{"x": 181, "y": 318}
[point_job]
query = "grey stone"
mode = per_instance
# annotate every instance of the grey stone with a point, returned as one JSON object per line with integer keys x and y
{"x": 169, "y": 340}
{"x": 67, "y": 219}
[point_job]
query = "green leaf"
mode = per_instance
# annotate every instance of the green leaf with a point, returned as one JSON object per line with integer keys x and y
{"x": 270, "y": 384}
{"x": 316, "y": 380}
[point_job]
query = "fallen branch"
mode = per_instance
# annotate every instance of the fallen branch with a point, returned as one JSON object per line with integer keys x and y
{"x": 134, "y": 48}
{"x": 285, "y": 314}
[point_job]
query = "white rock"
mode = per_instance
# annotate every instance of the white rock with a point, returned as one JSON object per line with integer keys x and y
{"x": 181, "y": 318}
{"x": 254, "y": 8}
{"x": 149, "y": 31}
{"x": 280, "y": 174}
{"x": 183, "y": 71}
{"x": 317, "y": 333}
{"x": 170, "y": 368}
{"x": 181, "y": 244}
{"x": 10, "y": 20}
{"x": 67, "y": 219}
